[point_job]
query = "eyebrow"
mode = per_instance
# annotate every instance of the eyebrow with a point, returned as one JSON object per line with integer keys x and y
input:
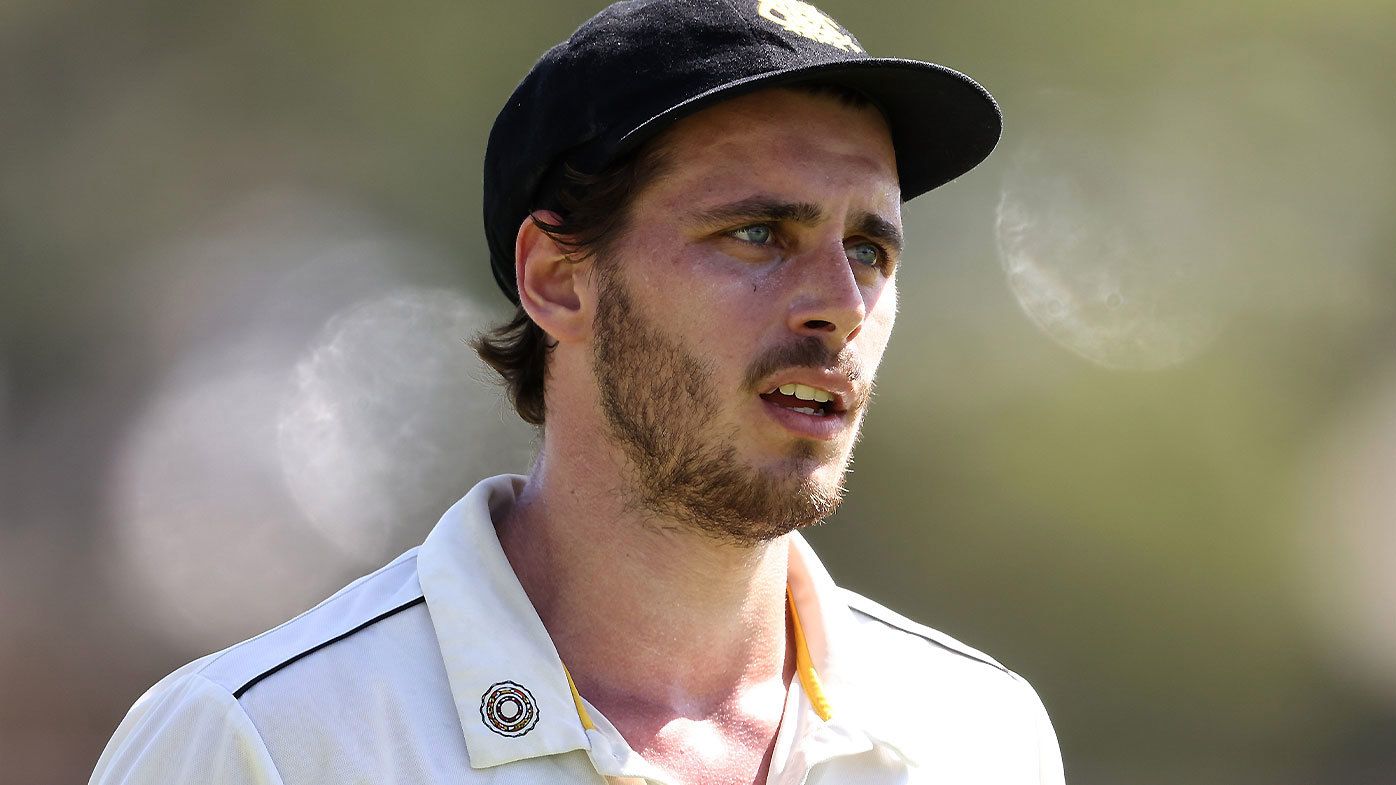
{"x": 875, "y": 227}
{"x": 762, "y": 208}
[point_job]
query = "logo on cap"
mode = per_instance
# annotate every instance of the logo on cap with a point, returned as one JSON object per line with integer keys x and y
{"x": 806, "y": 20}
{"x": 508, "y": 709}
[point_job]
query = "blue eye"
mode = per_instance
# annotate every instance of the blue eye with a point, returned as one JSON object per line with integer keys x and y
{"x": 760, "y": 234}
{"x": 868, "y": 254}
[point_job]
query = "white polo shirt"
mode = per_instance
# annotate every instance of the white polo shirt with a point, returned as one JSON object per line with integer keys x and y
{"x": 435, "y": 669}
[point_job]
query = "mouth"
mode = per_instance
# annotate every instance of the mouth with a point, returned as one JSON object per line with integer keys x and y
{"x": 806, "y": 400}
{"x": 808, "y": 412}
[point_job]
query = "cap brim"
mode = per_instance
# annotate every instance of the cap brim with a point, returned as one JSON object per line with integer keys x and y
{"x": 942, "y": 122}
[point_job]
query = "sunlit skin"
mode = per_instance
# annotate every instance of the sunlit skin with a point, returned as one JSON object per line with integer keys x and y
{"x": 778, "y": 220}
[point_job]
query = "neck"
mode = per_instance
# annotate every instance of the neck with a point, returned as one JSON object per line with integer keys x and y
{"x": 649, "y": 616}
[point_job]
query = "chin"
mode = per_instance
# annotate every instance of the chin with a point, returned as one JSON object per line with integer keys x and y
{"x": 810, "y": 476}
{"x": 819, "y": 463}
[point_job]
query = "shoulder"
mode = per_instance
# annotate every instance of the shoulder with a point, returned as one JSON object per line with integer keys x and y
{"x": 911, "y": 663}
{"x": 186, "y": 729}
{"x": 299, "y": 693}
{"x": 350, "y": 622}
{"x": 968, "y": 711}
{"x": 923, "y": 644}
{"x": 879, "y": 620}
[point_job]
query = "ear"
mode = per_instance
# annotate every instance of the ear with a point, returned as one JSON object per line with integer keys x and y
{"x": 551, "y": 287}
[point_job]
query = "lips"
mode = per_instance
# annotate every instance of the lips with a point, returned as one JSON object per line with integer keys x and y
{"x": 805, "y": 421}
{"x": 803, "y": 398}
{"x": 811, "y": 403}
{"x": 827, "y": 389}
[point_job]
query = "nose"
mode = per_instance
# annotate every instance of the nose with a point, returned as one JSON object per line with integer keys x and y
{"x": 829, "y": 304}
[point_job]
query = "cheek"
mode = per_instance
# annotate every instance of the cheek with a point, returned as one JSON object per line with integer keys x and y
{"x": 712, "y": 292}
{"x": 877, "y": 328}
{"x": 711, "y": 313}
{"x": 659, "y": 259}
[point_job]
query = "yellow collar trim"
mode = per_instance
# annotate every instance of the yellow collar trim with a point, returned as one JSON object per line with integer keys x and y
{"x": 804, "y": 668}
{"x": 577, "y": 699}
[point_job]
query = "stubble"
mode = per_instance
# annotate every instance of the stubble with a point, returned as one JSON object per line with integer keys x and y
{"x": 656, "y": 396}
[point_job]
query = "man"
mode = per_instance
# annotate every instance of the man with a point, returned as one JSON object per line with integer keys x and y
{"x": 696, "y": 206}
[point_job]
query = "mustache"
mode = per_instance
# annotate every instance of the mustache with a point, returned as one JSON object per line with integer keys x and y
{"x": 808, "y": 352}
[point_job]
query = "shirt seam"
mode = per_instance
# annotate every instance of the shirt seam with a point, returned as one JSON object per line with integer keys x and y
{"x": 327, "y": 602}
{"x": 250, "y": 683}
{"x": 982, "y": 660}
{"x": 234, "y": 706}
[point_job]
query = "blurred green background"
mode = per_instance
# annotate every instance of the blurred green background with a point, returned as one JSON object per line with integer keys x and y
{"x": 1135, "y": 436}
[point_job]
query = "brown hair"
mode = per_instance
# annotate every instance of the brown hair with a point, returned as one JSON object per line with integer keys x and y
{"x": 595, "y": 212}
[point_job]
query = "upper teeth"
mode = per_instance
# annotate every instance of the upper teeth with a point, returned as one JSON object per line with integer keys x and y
{"x": 806, "y": 393}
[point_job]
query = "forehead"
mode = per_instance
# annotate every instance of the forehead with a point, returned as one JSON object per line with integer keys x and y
{"x": 811, "y": 142}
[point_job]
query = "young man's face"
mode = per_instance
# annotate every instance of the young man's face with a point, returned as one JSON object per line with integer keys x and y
{"x": 762, "y": 258}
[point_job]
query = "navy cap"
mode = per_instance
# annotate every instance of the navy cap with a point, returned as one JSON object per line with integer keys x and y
{"x": 639, "y": 66}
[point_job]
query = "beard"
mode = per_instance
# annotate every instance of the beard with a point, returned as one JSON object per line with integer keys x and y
{"x": 655, "y": 393}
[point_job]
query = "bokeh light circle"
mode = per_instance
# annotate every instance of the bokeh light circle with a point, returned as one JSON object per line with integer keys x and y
{"x": 391, "y": 417}
{"x": 209, "y": 541}
{"x": 1101, "y": 243}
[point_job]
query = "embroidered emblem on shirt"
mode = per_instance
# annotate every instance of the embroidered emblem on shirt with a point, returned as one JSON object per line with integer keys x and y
{"x": 804, "y": 19}
{"x": 508, "y": 709}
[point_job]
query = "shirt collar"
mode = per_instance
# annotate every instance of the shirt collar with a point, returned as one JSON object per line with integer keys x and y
{"x": 500, "y": 661}
{"x": 514, "y": 697}
{"x": 846, "y": 664}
